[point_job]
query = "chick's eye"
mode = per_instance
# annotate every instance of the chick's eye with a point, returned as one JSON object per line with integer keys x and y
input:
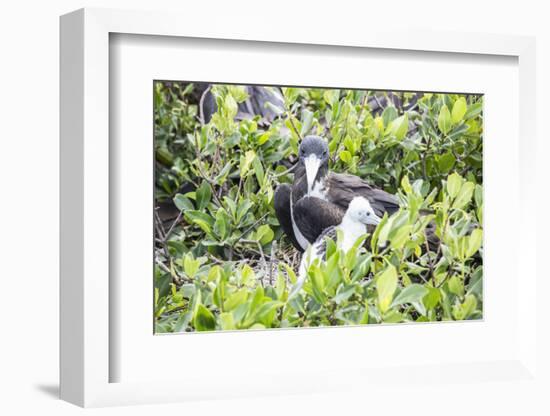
{"x": 325, "y": 153}
{"x": 368, "y": 213}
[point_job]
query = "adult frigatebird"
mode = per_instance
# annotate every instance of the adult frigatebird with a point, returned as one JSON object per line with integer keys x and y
{"x": 319, "y": 198}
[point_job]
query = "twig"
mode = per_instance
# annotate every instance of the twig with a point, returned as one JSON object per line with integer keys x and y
{"x": 176, "y": 221}
{"x": 204, "y": 175}
{"x": 253, "y": 225}
{"x": 289, "y": 117}
{"x": 178, "y": 279}
{"x": 272, "y": 255}
{"x": 161, "y": 232}
{"x": 215, "y": 259}
{"x": 264, "y": 263}
{"x": 378, "y": 102}
{"x": 259, "y": 252}
{"x": 201, "y": 105}
{"x": 424, "y": 167}
{"x": 289, "y": 170}
{"x": 158, "y": 224}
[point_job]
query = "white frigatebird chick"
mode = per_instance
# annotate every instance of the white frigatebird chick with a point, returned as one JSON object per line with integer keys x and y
{"x": 352, "y": 226}
{"x": 319, "y": 198}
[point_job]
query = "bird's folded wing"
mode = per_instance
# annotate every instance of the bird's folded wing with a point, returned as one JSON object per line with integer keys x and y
{"x": 281, "y": 202}
{"x": 314, "y": 215}
{"x": 343, "y": 188}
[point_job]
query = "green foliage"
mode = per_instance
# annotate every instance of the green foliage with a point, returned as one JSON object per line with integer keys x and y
{"x": 225, "y": 263}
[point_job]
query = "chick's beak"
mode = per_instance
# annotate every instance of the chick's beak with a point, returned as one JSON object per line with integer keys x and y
{"x": 373, "y": 219}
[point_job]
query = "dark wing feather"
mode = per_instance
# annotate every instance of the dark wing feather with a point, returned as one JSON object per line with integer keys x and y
{"x": 314, "y": 215}
{"x": 342, "y": 188}
{"x": 321, "y": 242}
{"x": 281, "y": 201}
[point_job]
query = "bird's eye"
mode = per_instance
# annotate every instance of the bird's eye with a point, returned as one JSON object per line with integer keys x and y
{"x": 368, "y": 213}
{"x": 325, "y": 153}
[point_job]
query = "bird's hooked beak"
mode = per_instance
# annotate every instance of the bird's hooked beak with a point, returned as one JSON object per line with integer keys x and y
{"x": 312, "y": 164}
{"x": 373, "y": 219}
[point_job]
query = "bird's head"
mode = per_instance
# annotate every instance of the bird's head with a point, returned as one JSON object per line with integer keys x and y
{"x": 313, "y": 153}
{"x": 360, "y": 210}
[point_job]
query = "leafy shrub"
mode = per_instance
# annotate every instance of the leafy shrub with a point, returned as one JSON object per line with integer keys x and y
{"x": 224, "y": 263}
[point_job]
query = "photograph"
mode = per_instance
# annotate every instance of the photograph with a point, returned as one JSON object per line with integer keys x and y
{"x": 296, "y": 206}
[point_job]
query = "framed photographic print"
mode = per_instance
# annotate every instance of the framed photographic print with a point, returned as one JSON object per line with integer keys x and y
{"x": 290, "y": 207}
{"x": 291, "y": 230}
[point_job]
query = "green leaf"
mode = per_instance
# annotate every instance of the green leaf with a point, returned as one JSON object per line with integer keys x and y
{"x": 203, "y": 195}
{"x": 406, "y": 185}
{"x": 474, "y": 242}
{"x": 400, "y": 237}
{"x": 454, "y": 183}
{"x": 280, "y": 286}
{"x": 190, "y": 265}
{"x": 226, "y": 321}
{"x": 264, "y": 234}
{"x": 221, "y": 225}
{"x": 222, "y": 175}
{"x": 466, "y": 308}
{"x": 444, "y": 121}
{"x": 183, "y": 321}
{"x": 203, "y": 220}
{"x": 475, "y": 286}
{"x": 257, "y": 299}
{"x": 258, "y": 170}
{"x": 393, "y": 317}
{"x": 412, "y": 293}
{"x": 432, "y": 298}
{"x": 456, "y": 286}
{"x": 318, "y": 283}
{"x": 331, "y": 96}
{"x": 290, "y": 273}
{"x": 446, "y": 162}
{"x": 183, "y": 203}
{"x": 388, "y": 115}
{"x": 474, "y": 110}
{"x": 307, "y": 121}
{"x": 235, "y": 299}
{"x": 345, "y": 156}
{"x": 247, "y": 275}
{"x": 385, "y": 286}
{"x": 344, "y": 294}
{"x": 230, "y": 106}
{"x": 243, "y": 208}
{"x": 459, "y": 110}
{"x": 214, "y": 273}
{"x": 164, "y": 156}
{"x": 478, "y": 195}
{"x": 245, "y": 162}
{"x": 266, "y": 309}
{"x": 204, "y": 319}
{"x": 400, "y": 126}
{"x": 465, "y": 195}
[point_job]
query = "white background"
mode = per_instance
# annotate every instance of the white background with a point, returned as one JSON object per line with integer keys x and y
{"x": 29, "y": 183}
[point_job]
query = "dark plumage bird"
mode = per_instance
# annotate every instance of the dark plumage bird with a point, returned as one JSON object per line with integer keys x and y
{"x": 319, "y": 198}
{"x": 266, "y": 102}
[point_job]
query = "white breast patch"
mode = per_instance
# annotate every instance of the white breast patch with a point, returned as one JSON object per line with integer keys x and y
{"x": 299, "y": 236}
{"x": 319, "y": 190}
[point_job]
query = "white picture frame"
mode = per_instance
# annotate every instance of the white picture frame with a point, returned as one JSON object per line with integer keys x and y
{"x": 86, "y": 353}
